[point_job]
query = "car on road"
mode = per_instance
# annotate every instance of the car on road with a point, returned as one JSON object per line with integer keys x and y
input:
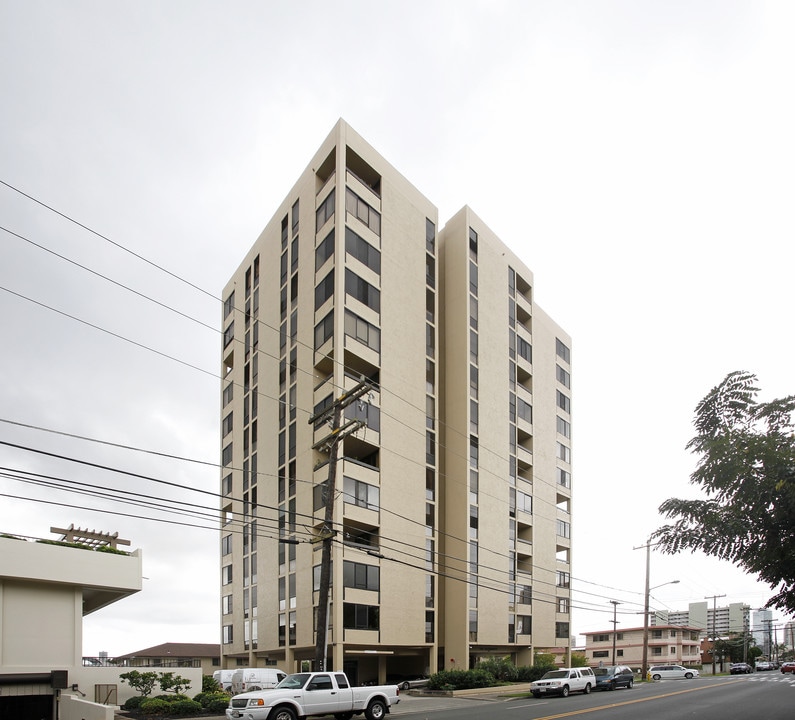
{"x": 764, "y": 666}
{"x": 564, "y": 681}
{"x": 670, "y": 672}
{"x": 740, "y": 669}
{"x": 611, "y": 677}
{"x": 788, "y": 667}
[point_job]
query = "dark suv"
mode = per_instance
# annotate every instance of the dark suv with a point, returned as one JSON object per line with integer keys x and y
{"x": 613, "y": 676}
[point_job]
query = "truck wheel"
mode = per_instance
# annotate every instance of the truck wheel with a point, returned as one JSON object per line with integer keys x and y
{"x": 564, "y": 691}
{"x": 630, "y": 685}
{"x": 284, "y": 713}
{"x": 376, "y": 710}
{"x": 587, "y": 689}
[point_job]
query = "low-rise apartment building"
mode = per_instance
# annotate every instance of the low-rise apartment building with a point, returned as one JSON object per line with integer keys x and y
{"x": 673, "y": 644}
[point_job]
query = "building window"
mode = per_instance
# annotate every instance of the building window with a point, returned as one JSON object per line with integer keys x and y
{"x": 525, "y": 410}
{"x": 564, "y": 478}
{"x": 564, "y": 378}
{"x": 226, "y": 455}
{"x": 226, "y": 485}
{"x": 227, "y": 634}
{"x": 362, "y": 291}
{"x": 430, "y": 235}
{"x": 524, "y": 502}
{"x": 361, "y": 493}
{"x": 524, "y": 349}
{"x": 601, "y": 653}
{"x": 524, "y": 594}
{"x": 362, "y": 211}
{"x": 524, "y": 624}
{"x": 229, "y": 333}
{"x": 226, "y": 544}
{"x": 564, "y": 579}
{"x": 228, "y": 393}
{"x": 561, "y": 629}
{"x": 324, "y": 330}
{"x": 564, "y": 427}
{"x": 564, "y": 529}
{"x": 324, "y": 289}
{"x": 229, "y": 305}
{"x": 226, "y": 426}
{"x": 563, "y": 605}
{"x": 226, "y": 605}
{"x": 601, "y": 637}
{"x": 562, "y": 350}
{"x": 564, "y": 453}
{"x": 360, "y": 617}
{"x": 324, "y": 251}
{"x": 473, "y": 251}
{"x": 369, "y": 414}
{"x": 564, "y": 402}
{"x": 362, "y": 331}
{"x": 360, "y": 249}
{"x": 325, "y": 212}
{"x": 361, "y": 576}
{"x": 226, "y": 575}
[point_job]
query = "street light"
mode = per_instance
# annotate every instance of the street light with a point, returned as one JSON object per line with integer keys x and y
{"x": 645, "y": 661}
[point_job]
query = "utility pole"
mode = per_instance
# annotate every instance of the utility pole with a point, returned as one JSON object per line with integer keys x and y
{"x": 333, "y": 413}
{"x": 615, "y": 604}
{"x": 714, "y": 619}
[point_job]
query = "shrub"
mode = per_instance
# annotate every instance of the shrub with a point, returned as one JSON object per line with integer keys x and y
{"x": 210, "y": 684}
{"x": 133, "y": 703}
{"x": 184, "y": 707}
{"x": 460, "y": 679}
{"x": 218, "y": 702}
{"x": 531, "y": 673}
{"x": 502, "y": 669}
{"x": 155, "y": 706}
{"x": 215, "y": 701}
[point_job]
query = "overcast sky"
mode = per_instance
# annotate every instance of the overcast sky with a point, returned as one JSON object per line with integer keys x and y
{"x": 637, "y": 156}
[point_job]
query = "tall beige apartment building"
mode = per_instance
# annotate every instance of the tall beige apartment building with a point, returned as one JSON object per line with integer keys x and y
{"x": 452, "y": 501}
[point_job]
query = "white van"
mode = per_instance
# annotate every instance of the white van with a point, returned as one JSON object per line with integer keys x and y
{"x": 248, "y": 679}
{"x": 224, "y": 679}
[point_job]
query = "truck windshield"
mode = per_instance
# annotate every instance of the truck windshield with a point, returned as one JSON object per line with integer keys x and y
{"x": 293, "y": 682}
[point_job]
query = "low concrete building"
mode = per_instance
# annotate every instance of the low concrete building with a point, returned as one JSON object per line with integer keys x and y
{"x": 671, "y": 644}
{"x": 46, "y": 588}
{"x": 206, "y": 656}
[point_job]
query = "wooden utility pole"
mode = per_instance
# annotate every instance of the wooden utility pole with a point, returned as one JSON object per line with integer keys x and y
{"x": 615, "y": 604}
{"x": 326, "y": 535}
{"x": 714, "y": 620}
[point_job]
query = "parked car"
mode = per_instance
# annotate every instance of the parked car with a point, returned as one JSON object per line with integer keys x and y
{"x": 764, "y": 666}
{"x": 564, "y": 681}
{"x": 613, "y": 676}
{"x": 740, "y": 669}
{"x": 788, "y": 667}
{"x": 670, "y": 672}
{"x": 407, "y": 682}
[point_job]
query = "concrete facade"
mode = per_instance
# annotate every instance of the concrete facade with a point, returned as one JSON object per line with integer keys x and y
{"x": 452, "y": 505}
{"x": 45, "y": 591}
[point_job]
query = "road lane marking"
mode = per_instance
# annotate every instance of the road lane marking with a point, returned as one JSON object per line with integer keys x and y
{"x": 633, "y": 702}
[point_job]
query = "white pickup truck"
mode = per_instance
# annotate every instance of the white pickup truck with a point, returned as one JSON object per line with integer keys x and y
{"x": 308, "y": 694}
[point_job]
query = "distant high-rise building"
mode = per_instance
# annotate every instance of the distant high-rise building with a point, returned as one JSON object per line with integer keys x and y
{"x": 712, "y": 621}
{"x": 452, "y": 503}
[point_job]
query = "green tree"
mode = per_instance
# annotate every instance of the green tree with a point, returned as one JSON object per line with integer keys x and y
{"x": 746, "y": 470}
{"x": 144, "y": 683}
{"x": 579, "y": 660}
{"x": 173, "y": 683}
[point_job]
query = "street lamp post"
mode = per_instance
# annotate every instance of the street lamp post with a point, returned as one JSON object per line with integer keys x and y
{"x": 645, "y": 661}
